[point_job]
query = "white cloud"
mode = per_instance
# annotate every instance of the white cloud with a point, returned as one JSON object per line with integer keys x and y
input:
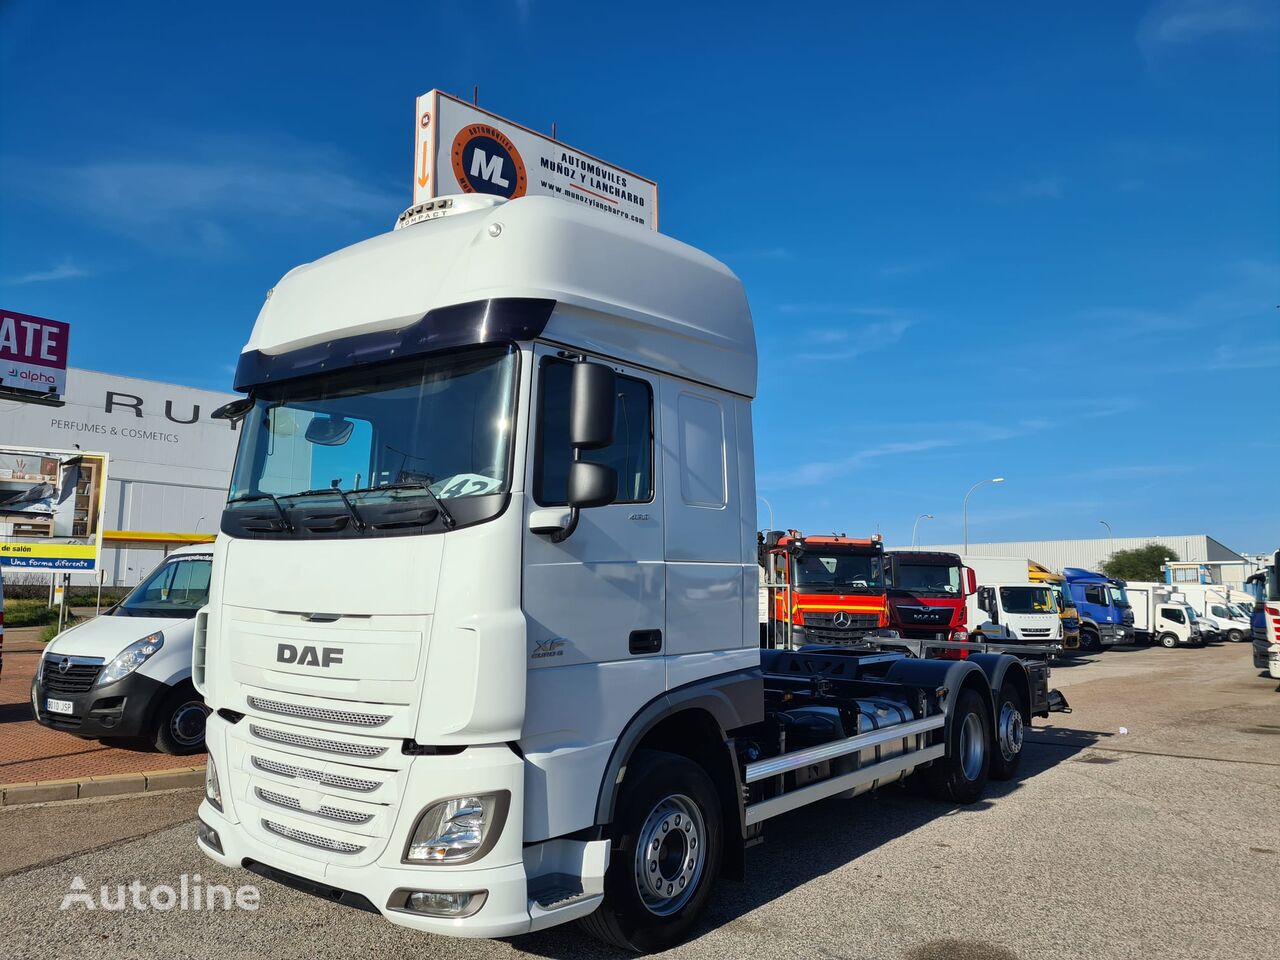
{"x": 1172, "y": 24}
{"x": 846, "y": 343}
{"x": 66, "y": 270}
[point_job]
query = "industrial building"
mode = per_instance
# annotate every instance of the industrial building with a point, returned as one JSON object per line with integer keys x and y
{"x": 169, "y": 462}
{"x": 1201, "y": 559}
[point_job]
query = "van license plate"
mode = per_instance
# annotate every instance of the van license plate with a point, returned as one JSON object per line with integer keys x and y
{"x": 58, "y": 706}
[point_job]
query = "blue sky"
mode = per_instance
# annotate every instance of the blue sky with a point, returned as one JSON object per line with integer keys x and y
{"x": 1032, "y": 240}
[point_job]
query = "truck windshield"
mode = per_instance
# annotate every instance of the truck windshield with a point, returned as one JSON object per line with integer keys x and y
{"x": 1027, "y": 600}
{"x": 1118, "y": 596}
{"x": 440, "y": 422}
{"x": 178, "y": 588}
{"x": 837, "y": 573}
{"x": 921, "y": 578}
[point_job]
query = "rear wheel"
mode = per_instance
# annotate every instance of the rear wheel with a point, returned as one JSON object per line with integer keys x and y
{"x": 1012, "y": 719}
{"x": 180, "y": 722}
{"x": 669, "y": 843}
{"x": 961, "y": 775}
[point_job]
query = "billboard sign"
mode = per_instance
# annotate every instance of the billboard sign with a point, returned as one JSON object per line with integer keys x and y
{"x": 33, "y": 353}
{"x": 51, "y": 508}
{"x": 463, "y": 149}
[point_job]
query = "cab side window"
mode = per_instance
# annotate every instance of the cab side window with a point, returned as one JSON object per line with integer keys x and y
{"x": 1175, "y": 616}
{"x": 1095, "y": 594}
{"x": 630, "y": 454}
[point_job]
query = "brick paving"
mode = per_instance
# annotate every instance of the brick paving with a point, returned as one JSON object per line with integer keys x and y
{"x": 30, "y": 752}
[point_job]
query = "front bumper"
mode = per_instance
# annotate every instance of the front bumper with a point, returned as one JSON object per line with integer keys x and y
{"x": 372, "y": 880}
{"x": 125, "y": 708}
{"x": 1266, "y": 656}
{"x": 1114, "y": 634}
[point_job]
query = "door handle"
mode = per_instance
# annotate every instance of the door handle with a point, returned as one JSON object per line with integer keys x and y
{"x": 644, "y": 641}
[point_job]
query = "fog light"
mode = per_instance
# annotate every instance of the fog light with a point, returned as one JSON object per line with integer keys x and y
{"x": 209, "y": 837}
{"x": 433, "y": 903}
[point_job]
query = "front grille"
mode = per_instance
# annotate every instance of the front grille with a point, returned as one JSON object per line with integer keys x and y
{"x": 856, "y": 621}
{"x": 1036, "y": 632}
{"x": 813, "y": 634}
{"x": 77, "y": 678}
{"x": 315, "y": 776}
{"x": 319, "y": 713}
{"x": 924, "y": 615}
{"x": 326, "y": 811}
{"x": 310, "y": 839}
{"x": 315, "y": 743}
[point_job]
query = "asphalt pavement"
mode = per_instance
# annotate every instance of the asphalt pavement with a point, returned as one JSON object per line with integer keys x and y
{"x": 1158, "y": 842}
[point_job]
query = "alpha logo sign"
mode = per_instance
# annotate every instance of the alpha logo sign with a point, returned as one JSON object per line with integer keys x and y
{"x": 463, "y": 149}
{"x": 33, "y": 353}
{"x": 486, "y": 161}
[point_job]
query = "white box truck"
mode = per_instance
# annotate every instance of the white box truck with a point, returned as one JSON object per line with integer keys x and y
{"x": 1161, "y": 615}
{"x": 1009, "y": 601}
{"x": 481, "y": 642}
{"x": 1220, "y": 608}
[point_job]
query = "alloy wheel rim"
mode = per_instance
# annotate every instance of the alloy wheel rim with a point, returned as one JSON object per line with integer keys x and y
{"x": 188, "y": 722}
{"x": 671, "y": 853}
{"x": 972, "y": 745}
{"x": 1011, "y": 730}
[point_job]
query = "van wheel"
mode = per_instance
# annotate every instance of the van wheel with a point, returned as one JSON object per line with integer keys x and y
{"x": 180, "y": 722}
{"x": 1235, "y": 636}
{"x": 1012, "y": 719}
{"x": 961, "y": 775}
{"x": 1168, "y": 641}
{"x": 668, "y": 837}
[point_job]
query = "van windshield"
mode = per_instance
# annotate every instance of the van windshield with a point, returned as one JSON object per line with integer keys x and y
{"x": 1027, "y": 600}
{"x": 177, "y": 588}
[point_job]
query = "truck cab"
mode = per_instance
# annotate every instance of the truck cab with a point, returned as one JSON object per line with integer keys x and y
{"x": 1024, "y": 612}
{"x": 927, "y": 593}
{"x": 1105, "y": 616}
{"x": 1264, "y": 623}
{"x": 1066, "y": 605}
{"x": 822, "y": 589}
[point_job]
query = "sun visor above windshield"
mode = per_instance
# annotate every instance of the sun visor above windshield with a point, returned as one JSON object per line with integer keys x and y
{"x": 463, "y": 324}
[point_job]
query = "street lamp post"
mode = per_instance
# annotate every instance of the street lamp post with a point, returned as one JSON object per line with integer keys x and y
{"x": 1110, "y": 536}
{"x": 770, "y": 506}
{"x": 966, "y": 507}
{"x": 914, "y": 526}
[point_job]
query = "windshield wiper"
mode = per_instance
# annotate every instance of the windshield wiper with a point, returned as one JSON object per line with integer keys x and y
{"x": 351, "y": 507}
{"x": 250, "y": 497}
{"x": 445, "y": 515}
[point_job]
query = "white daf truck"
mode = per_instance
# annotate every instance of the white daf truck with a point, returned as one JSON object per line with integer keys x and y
{"x": 481, "y": 644}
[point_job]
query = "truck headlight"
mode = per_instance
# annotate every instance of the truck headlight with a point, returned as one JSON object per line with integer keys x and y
{"x": 212, "y": 788}
{"x": 131, "y": 658}
{"x": 459, "y": 829}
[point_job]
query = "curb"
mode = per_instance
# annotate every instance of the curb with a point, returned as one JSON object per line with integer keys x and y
{"x": 108, "y": 785}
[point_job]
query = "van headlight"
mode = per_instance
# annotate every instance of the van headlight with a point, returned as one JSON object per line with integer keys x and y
{"x": 131, "y": 658}
{"x": 459, "y": 829}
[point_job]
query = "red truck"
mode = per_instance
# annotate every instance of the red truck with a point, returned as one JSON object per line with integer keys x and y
{"x": 927, "y": 591}
{"x": 823, "y": 589}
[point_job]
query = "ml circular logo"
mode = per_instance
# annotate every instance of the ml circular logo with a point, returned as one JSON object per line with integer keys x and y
{"x": 486, "y": 161}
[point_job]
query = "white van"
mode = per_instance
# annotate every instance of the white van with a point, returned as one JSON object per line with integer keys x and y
{"x": 127, "y": 672}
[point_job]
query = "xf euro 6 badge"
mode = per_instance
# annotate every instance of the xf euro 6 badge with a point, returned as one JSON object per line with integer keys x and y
{"x": 486, "y": 161}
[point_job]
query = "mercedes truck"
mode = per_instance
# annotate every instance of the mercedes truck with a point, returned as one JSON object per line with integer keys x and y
{"x": 481, "y": 643}
{"x": 1105, "y": 616}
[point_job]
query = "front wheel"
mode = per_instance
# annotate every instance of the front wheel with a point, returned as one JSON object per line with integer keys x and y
{"x": 669, "y": 836}
{"x": 1012, "y": 719}
{"x": 180, "y": 723}
{"x": 1235, "y": 636}
{"x": 1168, "y": 641}
{"x": 1090, "y": 641}
{"x": 961, "y": 775}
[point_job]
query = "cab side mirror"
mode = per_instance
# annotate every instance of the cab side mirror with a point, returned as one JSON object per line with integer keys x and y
{"x": 591, "y": 484}
{"x": 970, "y": 581}
{"x": 986, "y": 599}
{"x": 593, "y": 393}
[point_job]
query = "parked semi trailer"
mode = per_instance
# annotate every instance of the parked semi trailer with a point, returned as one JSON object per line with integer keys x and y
{"x": 482, "y": 643}
{"x": 1105, "y": 616}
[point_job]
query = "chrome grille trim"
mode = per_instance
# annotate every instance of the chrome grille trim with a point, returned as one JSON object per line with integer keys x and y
{"x": 310, "y": 839}
{"x": 326, "y": 811}
{"x": 315, "y": 776}
{"x": 315, "y": 743}
{"x": 319, "y": 713}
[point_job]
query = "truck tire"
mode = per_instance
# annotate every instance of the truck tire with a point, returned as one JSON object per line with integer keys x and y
{"x": 1090, "y": 641}
{"x": 1012, "y": 718}
{"x": 1168, "y": 640}
{"x": 180, "y": 722}
{"x": 668, "y": 844}
{"x": 961, "y": 775}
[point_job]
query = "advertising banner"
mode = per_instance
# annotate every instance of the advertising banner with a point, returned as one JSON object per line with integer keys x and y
{"x": 33, "y": 353}
{"x": 463, "y": 149}
{"x": 51, "y": 508}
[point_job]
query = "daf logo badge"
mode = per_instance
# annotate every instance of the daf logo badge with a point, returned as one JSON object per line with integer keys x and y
{"x": 842, "y": 620}
{"x": 64, "y": 664}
